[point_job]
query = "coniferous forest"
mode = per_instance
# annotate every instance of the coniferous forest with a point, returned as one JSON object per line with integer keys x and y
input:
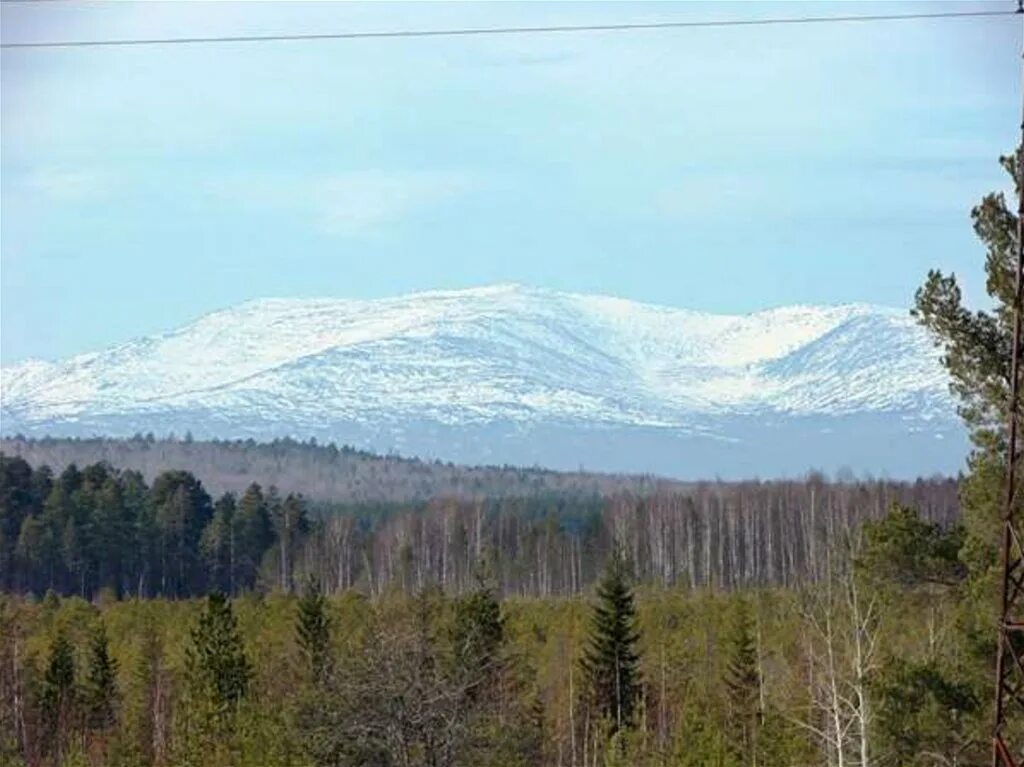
{"x": 147, "y": 620}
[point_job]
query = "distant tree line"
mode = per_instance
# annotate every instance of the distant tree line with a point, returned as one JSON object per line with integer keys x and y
{"x": 323, "y": 472}
{"x": 98, "y": 528}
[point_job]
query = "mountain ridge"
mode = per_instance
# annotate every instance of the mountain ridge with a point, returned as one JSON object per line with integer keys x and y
{"x": 505, "y": 364}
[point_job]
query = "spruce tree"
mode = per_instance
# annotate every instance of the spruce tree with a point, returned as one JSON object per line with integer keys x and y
{"x": 59, "y": 694}
{"x": 478, "y": 633}
{"x": 101, "y": 695}
{"x": 216, "y": 664}
{"x": 743, "y": 683}
{"x": 611, "y": 660}
{"x": 313, "y": 633}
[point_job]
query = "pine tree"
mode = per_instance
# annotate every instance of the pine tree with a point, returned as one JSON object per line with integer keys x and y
{"x": 59, "y": 694}
{"x": 113, "y": 540}
{"x": 976, "y": 352}
{"x": 743, "y": 683}
{"x": 218, "y": 545}
{"x": 216, "y": 664}
{"x": 100, "y": 693}
{"x": 181, "y": 510}
{"x": 16, "y": 505}
{"x": 976, "y": 348}
{"x": 313, "y": 633}
{"x": 611, "y": 660}
{"x": 254, "y": 535}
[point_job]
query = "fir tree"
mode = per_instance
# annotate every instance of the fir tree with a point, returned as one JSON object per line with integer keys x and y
{"x": 216, "y": 664}
{"x": 313, "y": 633}
{"x": 743, "y": 683}
{"x": 100, "y": 693}
{"x": 611, "y": 660}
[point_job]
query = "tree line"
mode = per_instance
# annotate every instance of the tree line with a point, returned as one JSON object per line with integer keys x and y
{"x": 87, "y": 530}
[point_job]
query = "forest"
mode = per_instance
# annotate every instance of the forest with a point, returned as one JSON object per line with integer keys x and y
{"x": 149, "y": 621}
{"x": 874, "y": 662}
{"x": 98, "y": 529}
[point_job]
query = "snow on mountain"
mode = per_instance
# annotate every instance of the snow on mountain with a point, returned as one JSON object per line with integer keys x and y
{"x": 465, "y": 374}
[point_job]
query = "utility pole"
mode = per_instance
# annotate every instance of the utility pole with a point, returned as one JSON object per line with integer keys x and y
{"x": 1010, "y": 649}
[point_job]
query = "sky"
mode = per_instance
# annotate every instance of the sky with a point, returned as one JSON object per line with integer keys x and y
{"x": 724, "y": 170}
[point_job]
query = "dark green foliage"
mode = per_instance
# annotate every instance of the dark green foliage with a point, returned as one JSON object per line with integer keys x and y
{"x": 102, "y": 529}
{"x": 977, "y": 344}
{"x": 904, "y": 549}
{"x": 16, "y": 504}
{"x": 218, "y": 545}
{"x": 611, "y": 660}
{"x": 924, "y": 715}
{"x": 478, "y": 632}
{"x": 181, "y": 510}
{"x": 254, "y": 535}
{"x": 743, "y": 681}
{"x": 977, "y": 351}
{"x": 976, "y": 348}
{"x": 100, "y": 695}
{"x": 313, "y": 633}
{"x": 112, "y": 533}
{"x": 59, "y": 695}
{"x": 217, "y": 667}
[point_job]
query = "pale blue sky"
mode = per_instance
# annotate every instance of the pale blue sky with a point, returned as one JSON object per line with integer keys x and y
{"x": 724, "y": 169}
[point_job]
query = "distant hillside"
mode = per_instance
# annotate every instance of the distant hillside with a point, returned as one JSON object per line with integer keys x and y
{"x": 324, "y": 473}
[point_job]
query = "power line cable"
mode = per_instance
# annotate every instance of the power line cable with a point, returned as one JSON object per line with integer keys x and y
{"x": 468, "y": 32}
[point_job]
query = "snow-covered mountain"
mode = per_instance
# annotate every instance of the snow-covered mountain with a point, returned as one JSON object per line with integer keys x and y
{"x": 520, "y": 375}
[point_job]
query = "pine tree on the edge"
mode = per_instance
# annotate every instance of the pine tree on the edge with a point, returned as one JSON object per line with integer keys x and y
{"x": 611, "y": 661}
{"x": 743, "y": 683}
{"x": 313, "y": 633}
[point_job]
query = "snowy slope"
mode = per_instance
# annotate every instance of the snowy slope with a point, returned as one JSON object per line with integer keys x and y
{"x": 427, "y": 372}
